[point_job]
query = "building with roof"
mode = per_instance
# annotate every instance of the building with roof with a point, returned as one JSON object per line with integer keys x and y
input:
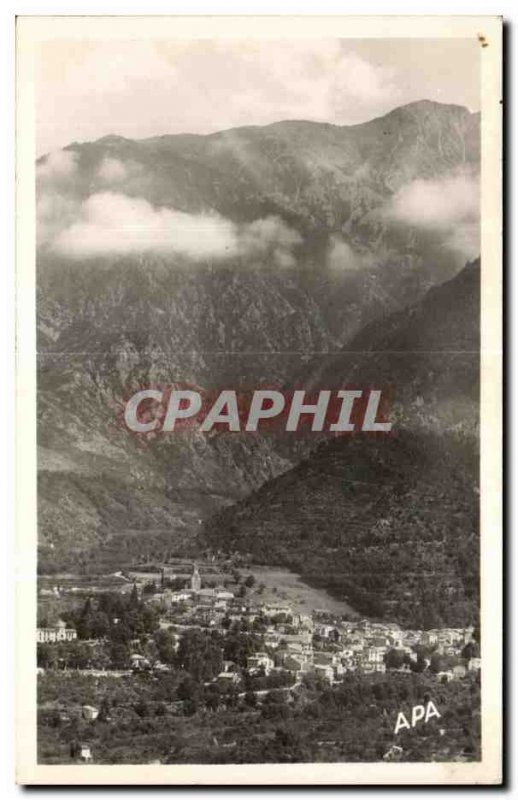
{"x": 58, "y": 633}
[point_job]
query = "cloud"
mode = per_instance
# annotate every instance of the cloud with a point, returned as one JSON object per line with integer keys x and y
{"x": 55, "y": 203}
{"x": 111, "y": 224}
{"x": 449, "y": 205}
{"x": 111, "y": 171}
{"x": 439, "y": 203}
{"x": 269, "y": 238}
{"x": 54, "y": 211}
{"x": 341, "y": 257}
{"x": 465, "y": 239}
{"x": 57, "y": 166}
{"x": 202, "y": 86}
{"x": 114, "y": 224}
{"x": 359, "y": 80}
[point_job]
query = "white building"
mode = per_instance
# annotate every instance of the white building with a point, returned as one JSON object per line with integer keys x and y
{"x": 374, "y": 655}
{"x": 85, "y": 753}
{"x": 324, "y": 671}
{"x": 274, "y": 610}
{"x": 90, "y": 713}
{"x": 59, "y": 633}
{"x": 259, "y": 662}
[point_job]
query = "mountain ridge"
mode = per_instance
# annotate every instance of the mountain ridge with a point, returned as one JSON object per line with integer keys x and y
{"x": 110, "y": 324}
{"x": 423, "y": 105}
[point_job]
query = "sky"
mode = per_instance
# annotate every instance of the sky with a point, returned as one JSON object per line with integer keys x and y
{"x": 139, "y": 88}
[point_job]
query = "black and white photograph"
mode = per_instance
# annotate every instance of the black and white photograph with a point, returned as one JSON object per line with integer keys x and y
{"x": 263, "y": 305}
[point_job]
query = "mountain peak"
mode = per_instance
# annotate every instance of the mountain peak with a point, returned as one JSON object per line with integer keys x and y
{"x": 112, "y": 138}
{"x": 426, "y": 105}
{"x": 421, "y": 108}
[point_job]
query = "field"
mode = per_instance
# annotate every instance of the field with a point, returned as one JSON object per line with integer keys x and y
{"x": 281, "y": 585}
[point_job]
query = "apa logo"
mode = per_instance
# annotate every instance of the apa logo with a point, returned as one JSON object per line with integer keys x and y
{"x": 418, "y": 713}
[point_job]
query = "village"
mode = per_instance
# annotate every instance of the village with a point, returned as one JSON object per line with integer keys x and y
{"x": 292, "y": 642}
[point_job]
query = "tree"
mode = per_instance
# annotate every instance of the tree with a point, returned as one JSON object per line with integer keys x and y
{"x": 289, "y": 746}
{"x": 275, "y": 696}
{"x": 419, "y": 665}
{"x": 165, "y": 646}
{"x": 251, "y": 699}
{"x": 199, "y": 654}
{"x": 394, "y": 659}
{"x": 46, "y": 656}
{"x": 190, "y": 707}
{"x": 119, "y": 655}
{"x": 78, "y": 655}
{"x": 470, "y": 650}
{"x": 104, "y": 711}
{"x": 239, "y": 646}
{"x": 85, "y": 621}
{"x": 188, "y": 689}
{"x": 141, "y": 709}
{"x": 99, "y": 625}
{"x": 436, "y": 663}
{"x": 121, "y": 632}
{"x": 54, "y": 718}
{"x": 134, "y": 598}
{"x": 212, "y": 698}
{"x": 250, "y": 581}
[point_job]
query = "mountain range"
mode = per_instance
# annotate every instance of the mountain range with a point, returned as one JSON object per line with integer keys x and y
{"x": 314, "y": 266}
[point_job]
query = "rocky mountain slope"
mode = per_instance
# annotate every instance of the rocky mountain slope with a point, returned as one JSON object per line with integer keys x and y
{"x": 319, "y": 257}
{"x": 427, "y": 356}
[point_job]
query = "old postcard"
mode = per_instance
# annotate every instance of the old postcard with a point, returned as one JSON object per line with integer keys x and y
{"x": 259, "y": 400}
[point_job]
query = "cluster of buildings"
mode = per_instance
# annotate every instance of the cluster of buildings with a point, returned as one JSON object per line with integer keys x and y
{"x": 210, "y": 603}
{"x": 330, "y": 650}
{"x": 304, "y": 644}
{"x": 301, "y": 644}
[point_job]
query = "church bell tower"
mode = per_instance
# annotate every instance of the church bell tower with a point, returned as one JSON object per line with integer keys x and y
{"x": 195, "y": 579}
